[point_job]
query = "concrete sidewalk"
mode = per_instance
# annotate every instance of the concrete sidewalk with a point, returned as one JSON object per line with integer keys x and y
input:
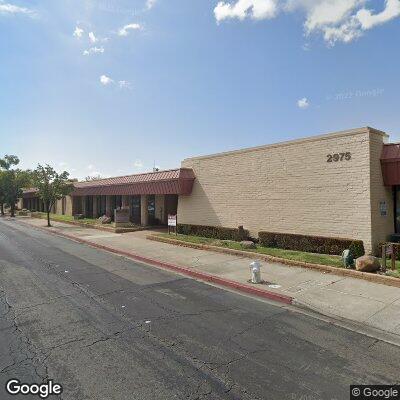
{"x": 370, "y": 304}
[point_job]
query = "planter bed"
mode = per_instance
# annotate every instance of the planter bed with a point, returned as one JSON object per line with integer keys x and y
{"x": 88, "y": 223}
{"x": 204, "y": 244}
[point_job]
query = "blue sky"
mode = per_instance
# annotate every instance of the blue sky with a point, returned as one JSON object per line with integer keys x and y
{"x": 114, "y": 86}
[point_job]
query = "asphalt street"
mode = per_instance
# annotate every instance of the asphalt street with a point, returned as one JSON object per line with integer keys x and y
{"x": 105, "y": 327}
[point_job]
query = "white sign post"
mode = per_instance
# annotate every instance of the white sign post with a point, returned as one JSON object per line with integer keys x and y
{"x": 172, "y": 222}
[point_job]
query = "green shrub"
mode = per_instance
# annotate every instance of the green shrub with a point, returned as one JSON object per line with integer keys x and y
{"x": 357, "y": 248}
{"x": 215, "y": 232}
{"x": 311, "y": 244}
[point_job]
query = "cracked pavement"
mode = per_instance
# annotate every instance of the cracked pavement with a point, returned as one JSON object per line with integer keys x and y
{"x": 105, "y": 327}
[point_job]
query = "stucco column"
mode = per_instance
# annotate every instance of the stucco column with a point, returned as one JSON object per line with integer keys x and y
{"x": 125, "y": 201}
{"x": 160, "y": 208}
{"x": 68, "y": 205}
{"x": 109, "y": 212}
{"x": 144, "y": 212}
{"x": 73, "y": 206}
{"x": 95, "y": 211}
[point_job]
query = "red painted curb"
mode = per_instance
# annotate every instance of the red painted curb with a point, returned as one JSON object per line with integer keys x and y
{"x": 183, "y": 270}
{"x": 367, "y": 276}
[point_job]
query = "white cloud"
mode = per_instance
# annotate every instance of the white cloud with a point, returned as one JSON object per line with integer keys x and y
{"x": 62, "y": 164}
{"x": 138, "y": 164}
{"x": 336, "y": 20}
{"x": 124, "y": 31}
{"x": 105, "y": 80}
{"x": 255, "y": 9}
{"x": 93, "y": 50}
{"x": 346, "y": 33}
{"x": 369, "y": 20}
{"x": 303, "y": 103}
{"x": 90, "y": 166}
{"x": 327, "y": 12}
{"x": 11, "y": 9}
{"x": 92, "y": 37}
{"x": 78, "y": 32}
{"x": 150, "y": 4}
{"x": 124, "y": 84}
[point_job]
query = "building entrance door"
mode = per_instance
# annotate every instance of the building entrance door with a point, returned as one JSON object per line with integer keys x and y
{"x": 89, "y": 207}
{"x": 135, "y": 209}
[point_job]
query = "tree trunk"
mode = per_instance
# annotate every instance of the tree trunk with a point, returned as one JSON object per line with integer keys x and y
{"x": 12, "y": 210}
{"x": 48, "y": 208}
{"x": 2, "y": 209}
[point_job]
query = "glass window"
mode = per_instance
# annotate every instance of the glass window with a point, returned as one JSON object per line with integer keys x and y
{"x": 135, "y": 209}
{"x": 397, "y": 204}
{"x": 118, "y": 201}
{"x": 151, "y": 209}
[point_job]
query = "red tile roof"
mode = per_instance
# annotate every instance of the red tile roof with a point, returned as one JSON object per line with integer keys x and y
{"x": 390, "y": 162}
{"x": 181, "y": 173}
{"x": 174, "y": 181}
{"x": 30, "y": 190}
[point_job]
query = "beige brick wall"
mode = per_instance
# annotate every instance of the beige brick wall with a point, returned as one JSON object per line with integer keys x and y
{"x": 290, "y": 187}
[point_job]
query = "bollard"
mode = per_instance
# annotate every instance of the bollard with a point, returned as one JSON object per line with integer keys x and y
{"x": 383, "y": 263}
{"x": 255, "y": 270}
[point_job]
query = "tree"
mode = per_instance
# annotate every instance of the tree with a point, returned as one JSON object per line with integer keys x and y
{"x": 2, "y": 196}
{"x": 90, "y": 178}
{"x": 12, "y": 181}
{"x": 51, "y": 186}
{"x": 8, "y": 161}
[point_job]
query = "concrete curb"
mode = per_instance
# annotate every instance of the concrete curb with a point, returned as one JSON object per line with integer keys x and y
{"x": 240, "y": 287}
{"x": 382, "y": 279}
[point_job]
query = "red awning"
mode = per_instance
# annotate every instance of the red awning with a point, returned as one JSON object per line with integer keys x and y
{"x": 176, "y": 181}
{"x": 28, "y": 193}
{"x": 390, "y": 162}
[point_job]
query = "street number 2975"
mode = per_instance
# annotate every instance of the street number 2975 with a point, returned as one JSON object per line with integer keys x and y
{"x": 338, "y": 157}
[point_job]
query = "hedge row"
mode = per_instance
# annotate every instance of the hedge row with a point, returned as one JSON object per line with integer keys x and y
{"x": 311, "y": 244}
{"x": 287, "y": 241}
{"x": 216, "y": 232}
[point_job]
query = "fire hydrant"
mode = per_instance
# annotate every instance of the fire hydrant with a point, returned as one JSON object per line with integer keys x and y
{"x": 255, "y": 269}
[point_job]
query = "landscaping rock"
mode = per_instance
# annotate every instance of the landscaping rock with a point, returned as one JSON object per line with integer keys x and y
{"x": 367, "y": 264}
{"x": 79, "y": 216}
{"x": 104, "y": 220}
{"x": 247, "y": 244}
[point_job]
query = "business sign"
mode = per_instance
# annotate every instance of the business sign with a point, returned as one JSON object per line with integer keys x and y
{"x": 171, "y": 220}
{"x": 383, "y": 208}
{"x": 121, "y": 215}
